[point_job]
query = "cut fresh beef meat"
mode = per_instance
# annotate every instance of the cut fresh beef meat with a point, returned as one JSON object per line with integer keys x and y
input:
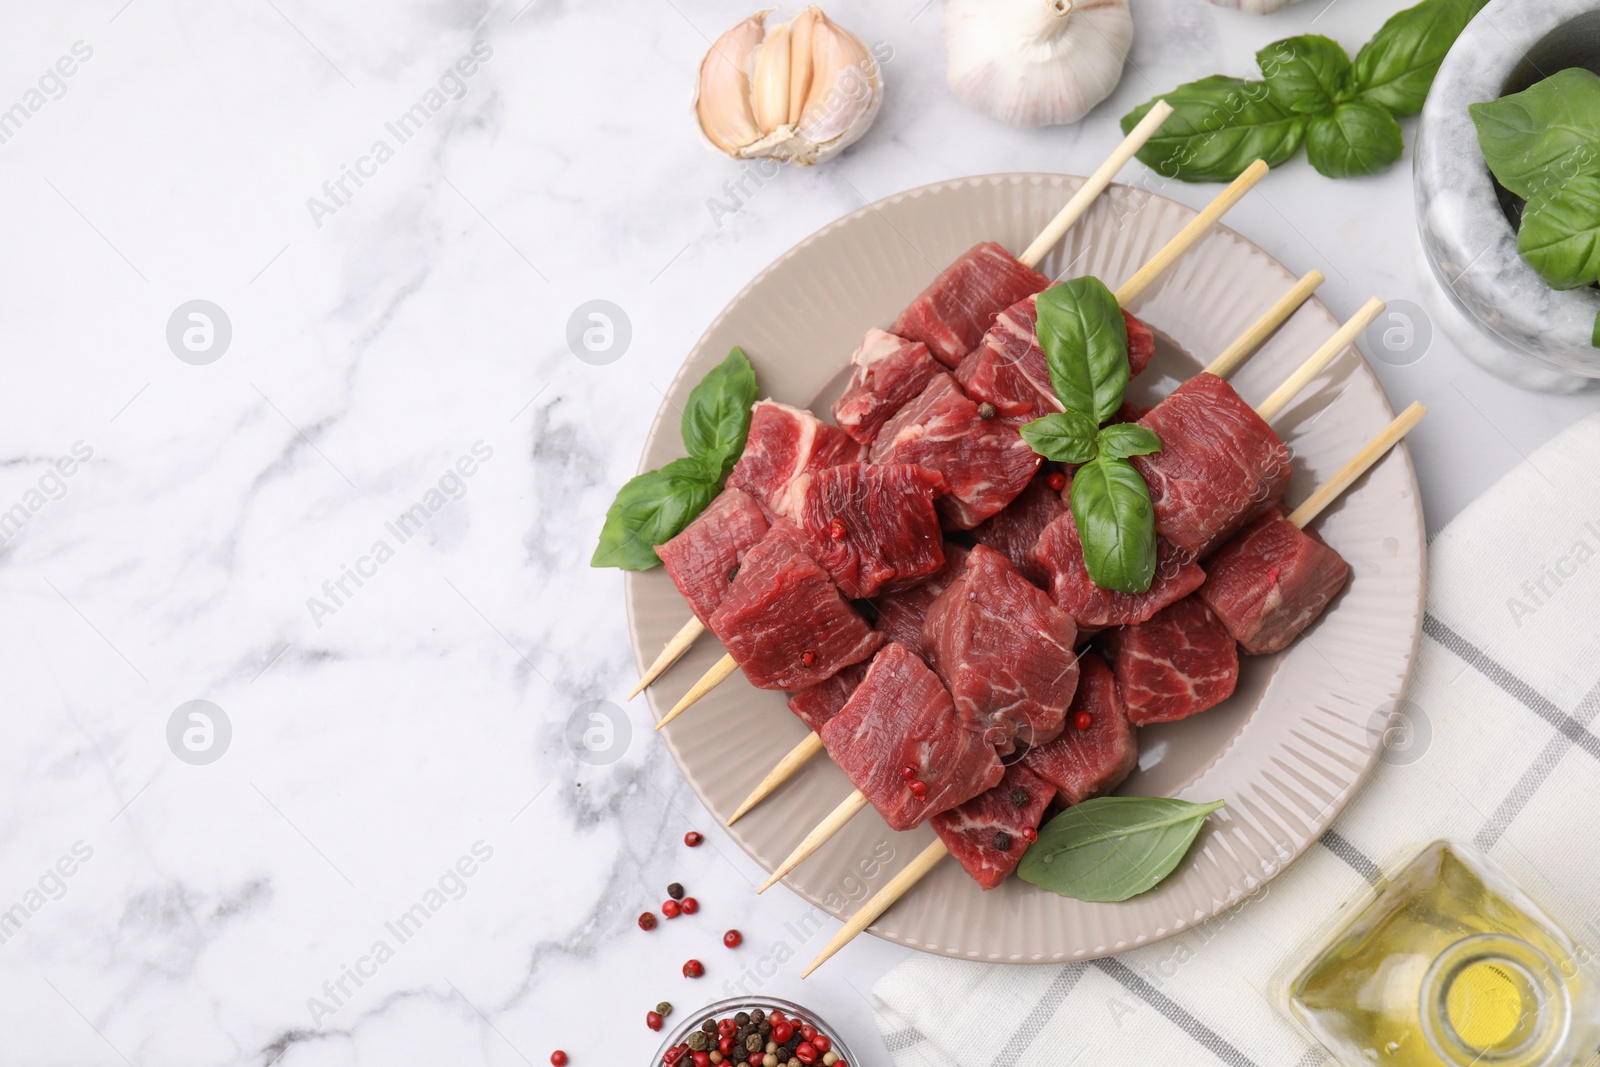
{"x": 785, "y": 443}
{"x": 1004, "y": 651}
{"x": 900, "y": 615}
{"x": 1178, "y": 664}
{"x": 989, "y": 833}
{"x": 1220, "y": 464}
{"x": 873, "y": 527}
{"x": 889, "y": 372}
{"x": 1271, "y": 581}
{"x": 702, "y": 559}
{"x": 1009, "y": 370}
{"x": 1015, "y": 531}
{"x": 1060, "y": 553}
{"x": 951, "y": 315}
{"x": 1082, "y": 764}
{"x": 815, "y": 706}
{"x": 985, "y": 462}
{"x": 784, "y": 621}
{"x": 901, "y": 716}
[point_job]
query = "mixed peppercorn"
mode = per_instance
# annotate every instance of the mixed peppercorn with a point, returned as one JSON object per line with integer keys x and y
{"x": 757, "y": 1038}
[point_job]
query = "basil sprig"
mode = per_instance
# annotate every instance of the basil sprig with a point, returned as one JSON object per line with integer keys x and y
{"x": 1112, "y": 848}
{"x": 1310, "y": 92}
{"x": 1543, "y": 144}
{"x": 654, "y": 507}
{"x": 1085, "y": 342}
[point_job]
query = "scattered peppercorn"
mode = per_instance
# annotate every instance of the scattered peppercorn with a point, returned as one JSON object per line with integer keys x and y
{"x": 708, "y": 1025}
{"x": 987, "y": 410}
{"x": 647, "y": 921}
{"x": 670, "y": 909}
{"x": 558, "y": 1058}
{"x": 675, "y": 891}
{"x": 665, "y": 1008}
{"x": 652, "y": 1019}
{"x": 1002, "y": 841}
{"x": 919, "y": 789}
{"x": 694, "y": 969}
{"x": 836, "y": 529}
{"x": 808, "y": 658}
{"x": 1019, "y": 797}
{"x": 1083, "y": 720}
{"x": 689, "y": 905}
{"x": 908, "y": 772}
{"x": 1056, "y": 481}
{"x": 693, "y": 838}
{"x": 1030, "y": 833}
{"x": 733, "y": 939}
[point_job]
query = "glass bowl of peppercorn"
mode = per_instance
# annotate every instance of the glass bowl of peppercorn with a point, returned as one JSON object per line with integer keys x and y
{"x": 753, "y": 1032}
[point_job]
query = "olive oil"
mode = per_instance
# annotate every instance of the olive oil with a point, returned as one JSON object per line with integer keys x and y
{"x": 1450, "y": 966}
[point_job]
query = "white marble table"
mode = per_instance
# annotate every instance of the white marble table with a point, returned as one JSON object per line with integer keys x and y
{"x": 412, "y": 721}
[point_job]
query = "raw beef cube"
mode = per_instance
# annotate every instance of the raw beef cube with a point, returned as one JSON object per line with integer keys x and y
{"x": 1082, "y": 764}
{"x": 873, "y": 527}
{"x": 1060, "y": 553}
{"x": 951, "y": 315}
{"x": 1270, "y": 582}
{"x": 1015, "y": 531}
{"x": 900, "y": 615}
{"x": 889, "y": 372}
{"x": 1178, "y": 664}
{"x": 815, "y": 706}
{"x": 1004, "y": 651}
{"x": 1130, "y": 412}
{"x": 785, "y": 622}
{"x": 785, "y": 443}
{"x": 1009, "y": 369}
{"x": 1219, "y": 466}
{"x": 701, "y": 560}
{"x": 989, "y": 833}
{"x": 985, "y": 462}
{"x": 901, "y": 716}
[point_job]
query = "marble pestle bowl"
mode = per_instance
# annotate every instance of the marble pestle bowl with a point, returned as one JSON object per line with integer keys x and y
{"x": 1491, "y": 303}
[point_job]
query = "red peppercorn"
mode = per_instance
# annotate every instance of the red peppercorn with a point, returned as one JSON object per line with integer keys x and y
{"x": 725, "y": 1044}
{"x": 775, "y": 1017}
{"x": 1083, "y": 720}
{"x": 674, "y": 1054}
{"x": 689, "y": 905}
{"x": 671, "y": 908}
{"x": 808, "y": 1032}
{"x": 757, "y": 1057}
{"x": 693, "y": 838}
{"x": 733, "y": 939}
{"x": 782, "y": 1031}
{"x": 822, "y": 1043}
{"x": 808, "y": 658}
{"x": 918, "y": 789}
{"x": 1030, "y": 833}
{"x": 836, "y": 529}
{"x": 652, "y": 1019}
{"x": 701, "y": 1059}
{"x": 558, "y": 1058}
{"x": 805, "y": 1052}
{"x": 1056, "y": 481}
{"x": 841, "y": 1063}
{"x": 908, "y": 772}
{"x": 694, "y": 969}
{"x": 647, "y": 921}
{"x": 727, "y": 1028}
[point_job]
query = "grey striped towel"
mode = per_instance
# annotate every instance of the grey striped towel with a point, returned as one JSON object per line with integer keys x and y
{"x": 1502, "y": 752}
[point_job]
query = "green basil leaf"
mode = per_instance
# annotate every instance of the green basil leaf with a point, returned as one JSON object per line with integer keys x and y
{"x": 651, "y": 509}
{"x": 1596, "y": 339}
{"x": 1219, "y": 126}
{"x": 716, "y": 418}
{"x": 1085, "y": 342}
{"x": 1066, "y": 437}
{"x": 1356, "y": 140}
{"x": 1542, "y": 135}
{"x": 1128, "y": 439}
{"x": 1560, "y": 236}
{"x": 1396, "y": 68}
{"x": 1307, "y": 74}
{"x": 1116, "y": 523}
{"x": 1112, "y": 848}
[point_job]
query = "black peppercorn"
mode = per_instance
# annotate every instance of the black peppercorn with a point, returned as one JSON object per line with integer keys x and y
{"x": 1002, "y": 841}
{"x": 733, "y": 572}
{"x": 709, "y": 1026}
{"x": 987, "y": 410}
{"x": 1019, "y": 797}
{"x": 675, "y": 891}
{"x": 757, "y": 1015}
{"x": 742, "y": 1018}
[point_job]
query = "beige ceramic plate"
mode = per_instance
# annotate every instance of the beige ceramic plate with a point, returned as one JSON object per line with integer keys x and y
{"x": 1286, "y": 753}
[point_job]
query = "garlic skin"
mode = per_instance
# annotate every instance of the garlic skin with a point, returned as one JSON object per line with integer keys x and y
{"x": 1255, "y": 7}
{"x": 798, "y": 92}
{"x": 1036, "y": 62}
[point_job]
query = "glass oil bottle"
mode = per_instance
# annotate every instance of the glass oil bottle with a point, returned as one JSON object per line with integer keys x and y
{"x": 1450, "y": 965}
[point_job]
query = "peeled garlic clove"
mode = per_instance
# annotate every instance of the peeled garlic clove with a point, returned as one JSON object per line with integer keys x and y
{"x": 1255, "y": 7}
{"x": 1036, "y": 62}
{"x": 723, "y": 102}
{"x": 798, "y": 92}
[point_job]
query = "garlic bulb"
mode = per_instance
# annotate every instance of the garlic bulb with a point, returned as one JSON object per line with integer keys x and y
{"x": 798, "y": 92}
{"x": 1255, "y": 7}
{"x": 1036, "y": 62}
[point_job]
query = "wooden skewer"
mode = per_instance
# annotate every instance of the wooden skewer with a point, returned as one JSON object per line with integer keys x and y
{"x": 797, "y": 758}
{"x": 669, "y": 655}
{"x": 1135, "y": 286}
{"x": 1224, "y": 365}
{"x": 1065, "y": 219}
{"x": 847, "y": 810}
{"x": 1068, "y": 216}
{"x": 1346, "y": 336}
{"x": 1130, "y": 290}
{"x": 925, "y": 861}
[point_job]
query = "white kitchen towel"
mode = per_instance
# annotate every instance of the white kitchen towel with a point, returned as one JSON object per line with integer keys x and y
{"x": 1502, "y": 752}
